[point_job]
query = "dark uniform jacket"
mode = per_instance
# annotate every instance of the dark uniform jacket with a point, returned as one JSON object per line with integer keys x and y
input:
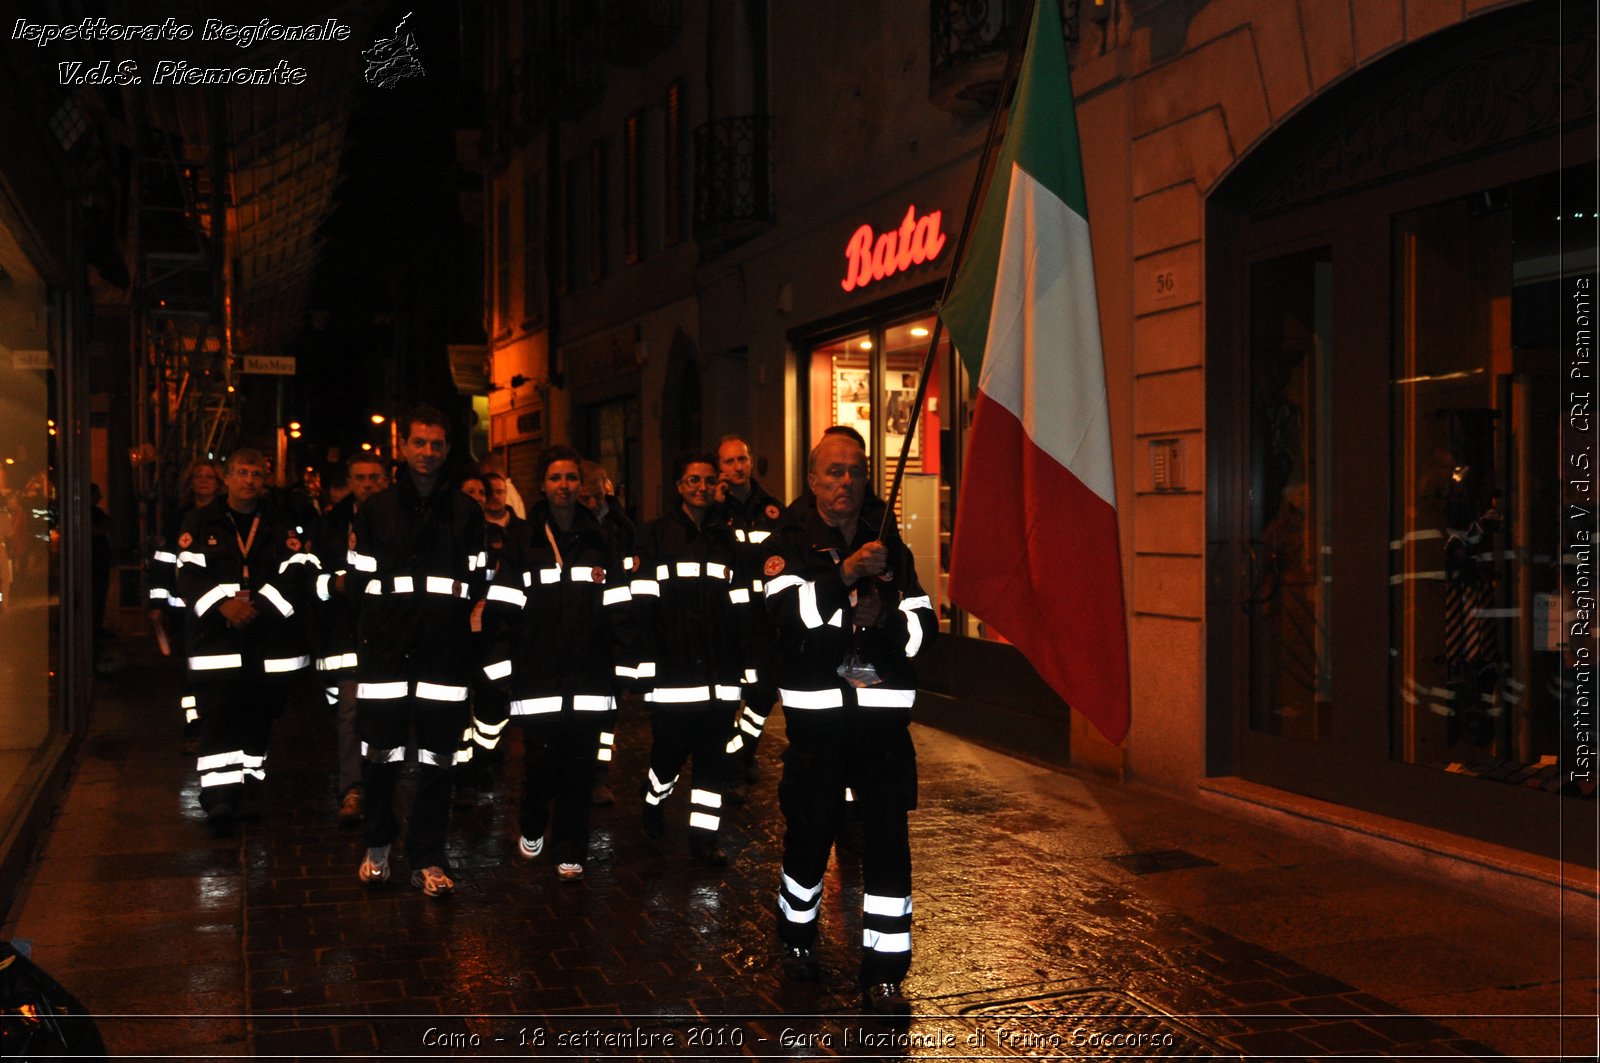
{"x": 753, "y": 522}
{"x": 693, "y": 612}
{"x": 807, "y": 598}
{"x": 212, "y": 562}
{"x": 416, "y": 566}
{"x": 555, "y": 621}
{"x": 333, "y": 630}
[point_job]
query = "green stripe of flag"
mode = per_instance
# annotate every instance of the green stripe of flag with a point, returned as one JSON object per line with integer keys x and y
{"x": 1042, "y": 138}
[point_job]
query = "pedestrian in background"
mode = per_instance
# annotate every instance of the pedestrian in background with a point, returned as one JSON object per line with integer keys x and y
{"x": 198, "y": 486}
{"x": 333, "y": 627}
{"x": 694, "y": 619}
{"x": 555, "y": 624}
{"x": 595, "y": 493}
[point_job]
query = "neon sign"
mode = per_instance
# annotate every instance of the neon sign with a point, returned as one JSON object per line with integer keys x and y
{"x": 872, "y": 257}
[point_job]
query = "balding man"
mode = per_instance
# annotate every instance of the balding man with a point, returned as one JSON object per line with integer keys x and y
{"x": 851, "y": 616}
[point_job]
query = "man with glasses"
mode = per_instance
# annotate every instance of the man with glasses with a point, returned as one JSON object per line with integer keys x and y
{"x": 694, "y": 618}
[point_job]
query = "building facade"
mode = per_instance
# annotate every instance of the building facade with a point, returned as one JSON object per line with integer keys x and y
{"x": 1333, "y": 241}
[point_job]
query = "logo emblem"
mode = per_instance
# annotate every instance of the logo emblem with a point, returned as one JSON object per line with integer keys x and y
{"x": 597, "y": 574}
{"x": 773, "y": 566}
{"x": 293, "y": 544}
{"x": 185, "y": 541}
{"x": 772, "y": 512}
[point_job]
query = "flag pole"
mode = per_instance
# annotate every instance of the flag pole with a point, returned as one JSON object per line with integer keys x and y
{"x": 1019, "y": 44}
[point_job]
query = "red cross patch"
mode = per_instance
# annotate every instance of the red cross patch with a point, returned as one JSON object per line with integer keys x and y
{"x": 293, "y": 544}
{"x": 773, "y": 566}
{"x": 597, "y": 574}
{"x": 772, "y": 512}
{"x": 185, "y": 540}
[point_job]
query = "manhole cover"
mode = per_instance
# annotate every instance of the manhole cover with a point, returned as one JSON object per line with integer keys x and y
{"x": 1087, "y": 1023}
{"x": 1157, "y": 860}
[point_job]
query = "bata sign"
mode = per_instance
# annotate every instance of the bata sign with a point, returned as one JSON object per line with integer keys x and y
{"x": 872, "y": 257}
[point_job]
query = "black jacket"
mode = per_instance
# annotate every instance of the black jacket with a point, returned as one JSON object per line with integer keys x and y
{"x": 693, "y": 612}
{"x": 212, "y": 564}
{"x": 333, "y": 625}
{"x": 416, "y": 566}
{"x": 555, "y": 628}
{"x": 807, "y": 598}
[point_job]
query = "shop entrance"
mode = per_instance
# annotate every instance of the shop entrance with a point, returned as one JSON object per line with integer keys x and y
{"x": 1386, "y": 465}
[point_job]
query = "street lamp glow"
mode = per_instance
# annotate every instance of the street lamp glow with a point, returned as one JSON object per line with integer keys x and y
{"x": 377, "y": 418}
{"x": 866, "y": 345}
{"x": 366, "y": 446}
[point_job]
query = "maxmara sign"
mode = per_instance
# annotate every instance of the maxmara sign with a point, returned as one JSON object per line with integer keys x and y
{"x": 873, "y": 256}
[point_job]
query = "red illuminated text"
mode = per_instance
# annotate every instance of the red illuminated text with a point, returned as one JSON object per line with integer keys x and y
{"x": 872, "y": 257}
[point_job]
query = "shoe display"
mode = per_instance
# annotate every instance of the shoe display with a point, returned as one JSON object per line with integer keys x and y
{"x": 351, "y": 808}
{"x": 530, "y": 848}
{"x": 885, "y": 998}
{"x": 569, "y": 872}
{"x": 800, "y": 963}
{"x": 433, "y": 882}
{"x": 655, "y": 821}
{"x": 706, "y": 851}
{"x": 375, "y": 867}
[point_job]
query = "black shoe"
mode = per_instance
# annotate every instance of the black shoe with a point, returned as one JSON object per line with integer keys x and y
{"x": 219, "y": 817}
{"x": 706, "y": 851}
{"x": 800, "y": 963}
{"x": 654, "y": 820}
{"x": 887, "y": 999}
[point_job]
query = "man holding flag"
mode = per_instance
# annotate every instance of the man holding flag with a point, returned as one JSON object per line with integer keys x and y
{"x": 1035, "y": 552}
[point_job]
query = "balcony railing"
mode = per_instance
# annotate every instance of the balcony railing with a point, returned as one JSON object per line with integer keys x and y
{"x": 970, "y": 40}
{"x": 733, "y": 199}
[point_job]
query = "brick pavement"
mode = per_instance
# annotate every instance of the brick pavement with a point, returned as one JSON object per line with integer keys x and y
{"x": 1040, "y": 927}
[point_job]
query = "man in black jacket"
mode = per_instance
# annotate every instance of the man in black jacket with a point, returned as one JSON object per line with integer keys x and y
{"x": 417, "y": 566}
{"x": 754, "y": 515}
{"x": 851, "y": 616}
{"x": 694, "y": 624}
{"x": 334, "y": 624}
{"x": 242, "y": 571}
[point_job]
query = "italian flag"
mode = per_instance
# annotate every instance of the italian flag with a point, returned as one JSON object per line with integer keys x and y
{"x": 1035, "y": 553}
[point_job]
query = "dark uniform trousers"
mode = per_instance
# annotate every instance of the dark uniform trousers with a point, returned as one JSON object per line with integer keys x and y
{"x": 557, "y": 769}
{"x": 878, "y": 763}
{"x": 237, "y": 726}
{"x": 844, "y": 738}
{"x": 679, "y": 731}
{"x": 385, "y": 713}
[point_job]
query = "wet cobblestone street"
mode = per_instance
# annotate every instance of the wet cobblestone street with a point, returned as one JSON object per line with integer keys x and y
{"x": 1055, "y": 917}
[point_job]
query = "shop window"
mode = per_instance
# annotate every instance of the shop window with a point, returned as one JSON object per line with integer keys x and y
{"x": 1291, "y": 547}
{"x": 30, "y": 543}
{"x": 1475, "y": 565}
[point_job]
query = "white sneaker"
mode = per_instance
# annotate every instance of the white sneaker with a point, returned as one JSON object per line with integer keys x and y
{"x": 530, "y": 848}
{"x": 570, "y": 872}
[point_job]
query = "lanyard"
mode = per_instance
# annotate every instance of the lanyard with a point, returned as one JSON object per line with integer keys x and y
{"x": 550, "y": 535}
{"x": 245, "y": 544}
